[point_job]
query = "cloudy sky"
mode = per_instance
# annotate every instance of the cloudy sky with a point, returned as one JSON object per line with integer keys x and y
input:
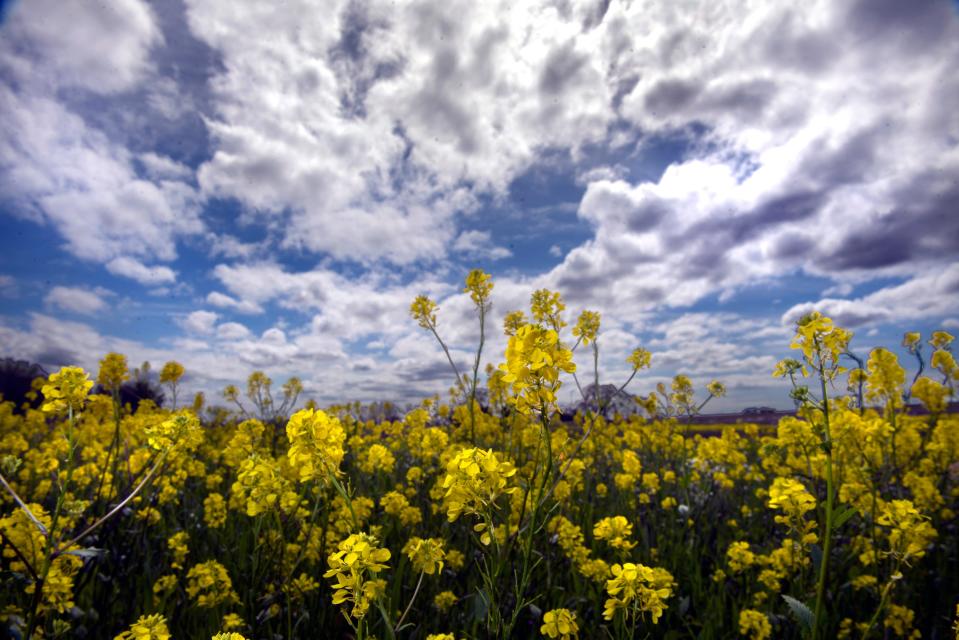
{"x": 253, "y": 185}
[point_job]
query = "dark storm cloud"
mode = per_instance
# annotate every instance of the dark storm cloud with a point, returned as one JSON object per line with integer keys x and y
{"x": 923, "y": 227}
{"x": 724, "y": 231}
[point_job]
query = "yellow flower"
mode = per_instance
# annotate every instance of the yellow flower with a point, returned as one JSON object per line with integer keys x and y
{"x": 445, "y": 600}
{"x": 546, "y": 307}
{"x": 441, "y": 636}
{"x": 534, "y": 360}
{"x": 152, "y": 627}
{"x": 789, "y": 367}
{"x": 560, "y": 623}
{"x": 636, "y": 589}
{"x": 353, "y": 568}
{"x": 900, "y": 620}
{"x": 164, "y": 585}
{"x": 425, "y": 555}
{"x": 214, "y": 511}
{"x": 377, "y": 458}
{"x": 479, "y": 285}
{"x": 316, "y": 444}
{"x": 616, "y": 532}
{"x": 474, "y": 480}
{"x": 821, "y": 343}
{"x": 113, "y": 371}
{"x": 640, "y": 358}
{"x": 791, "y": 497}
{"x": 66, "y": 389}
{"x": 909, "y": 531}
{"x": 716, "y": 389}
{"x": 423, "y": 311}
{"x": 754, "y": 624}
{"x": 932, "y": 394}
{"x": 455, "y": 559}
{"x": 210, "y": 585}
{"x": 941, "y": 339}
{"x": 513, "y": 321}
{"x": 945, "y": 363}
{"x": 181, "y": 430}
{"x": 228, "y": 636}
{"x": 177, "y": 544}
{"x": 171, "y": 372}
{"x": 886, "y": 377}
{"x": 739, "y": 557}
{"x": 587, "y": 326}
{"x": 910, "y": 340}
{"x": 231, "y": 621}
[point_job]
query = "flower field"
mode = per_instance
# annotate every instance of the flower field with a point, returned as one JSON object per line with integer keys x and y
{"x": 494, "y": 519}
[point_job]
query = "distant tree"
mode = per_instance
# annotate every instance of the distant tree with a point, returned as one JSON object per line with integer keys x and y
{"x": 16, "y": 380}
{"x": 141, "y": 386}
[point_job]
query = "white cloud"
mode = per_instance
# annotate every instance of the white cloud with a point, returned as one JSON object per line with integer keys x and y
{"x": 202, "y": 322}
{"x": 930, "y": 295}
{"x": 796, "y": 169}
{"x": 131, "y": 268}
{"x": 58, "y": 167}
{"x": 164, "y": 168}
{"x": 479, "y": 245}
{"x": 223, "y": 301}
{"x": 77, "y": 300}
{"x": 395, "y": 116}
{"x": 232, "y": 331}
{"x": 102, "y": 47}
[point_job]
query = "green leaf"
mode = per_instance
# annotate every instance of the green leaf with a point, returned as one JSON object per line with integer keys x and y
{"x": 841, "y": 515}
{"x": 801, "y": 612}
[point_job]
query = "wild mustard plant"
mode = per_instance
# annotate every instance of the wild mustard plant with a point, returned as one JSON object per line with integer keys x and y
{"x": 214, "y": 522}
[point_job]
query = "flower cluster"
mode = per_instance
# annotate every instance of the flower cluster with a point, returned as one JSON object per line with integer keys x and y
{"x": 560, "y": 623}
{"x": 353, "y": 568}
{"x": 636, "y": 591}
{"x": 316, "y": 444}
{"x": 534, "y": 360}
{"x": 66, "y": 389}
{"x": 209, "y": 585}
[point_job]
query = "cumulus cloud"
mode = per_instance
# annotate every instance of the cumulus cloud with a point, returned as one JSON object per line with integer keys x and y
{"x": 223, "y": 301}
{"x": 932, "y": 295}
{"x": 475, "y": 244}
{"x": 134, "y": 269}
{"x": 393, "y": 118}
{"x": 201, "y": 322}
{"x": 57, "y": 167}
{"x": 795, "y": 169}
{"x": 232, "y": 331}
{"x": 76, "y": 299}
{"x": 101, "y": 47}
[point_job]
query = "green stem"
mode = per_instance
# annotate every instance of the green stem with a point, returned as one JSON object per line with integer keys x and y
{"x": 824, "y": 563}
{"x": 416, "y": 591}
{"x": 531, "y": 530}
{"x": 476, "y": 364}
